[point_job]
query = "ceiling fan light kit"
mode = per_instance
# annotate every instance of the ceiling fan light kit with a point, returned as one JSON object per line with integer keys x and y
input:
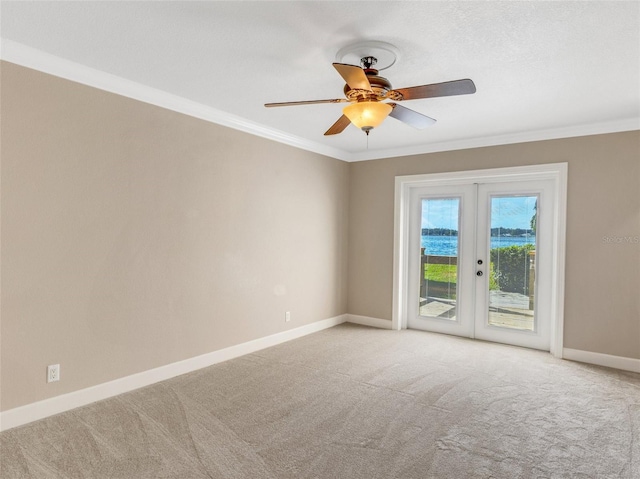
{"x": 368, "y": 93}
{"x": 367, "y": 115}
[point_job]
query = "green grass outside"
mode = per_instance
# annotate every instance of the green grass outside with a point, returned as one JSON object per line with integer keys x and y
{"x": 448, "y": 273}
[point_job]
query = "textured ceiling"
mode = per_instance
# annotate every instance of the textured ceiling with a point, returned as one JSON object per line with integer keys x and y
{"x": 542, "y": 69}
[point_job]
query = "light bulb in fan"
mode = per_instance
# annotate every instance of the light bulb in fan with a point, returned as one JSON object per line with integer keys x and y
{"x": 367, "y": 115}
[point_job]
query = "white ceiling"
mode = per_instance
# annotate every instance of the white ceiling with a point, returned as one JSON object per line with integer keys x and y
{"x": 542, "y": 69}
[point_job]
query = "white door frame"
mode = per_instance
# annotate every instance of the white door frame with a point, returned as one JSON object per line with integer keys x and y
{"x": 403, "y": 186}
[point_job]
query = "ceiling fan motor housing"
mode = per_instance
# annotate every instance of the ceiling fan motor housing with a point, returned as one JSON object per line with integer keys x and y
{"x": 380, "y": 86}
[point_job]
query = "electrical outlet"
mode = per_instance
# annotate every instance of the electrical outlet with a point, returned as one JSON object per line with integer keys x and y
{"x": 53, "y": 373}
{"x": 287, "y": 316}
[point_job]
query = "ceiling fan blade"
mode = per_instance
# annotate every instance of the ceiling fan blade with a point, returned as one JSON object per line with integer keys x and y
{"x": 338, "y": 126}
{"x": 449, "y": 88}
{"x": 307, "y": 102}
{"x": 355, "y": 76}
{"x": 410, "y": 117}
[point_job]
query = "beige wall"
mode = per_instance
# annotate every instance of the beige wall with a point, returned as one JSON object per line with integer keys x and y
{"x": 602, "y": 307}
{"x": 133, "y": 236}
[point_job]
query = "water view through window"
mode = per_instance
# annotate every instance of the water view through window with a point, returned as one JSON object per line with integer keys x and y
{"x": 511, "y": 268}
{"x": 513, "y": 259}
{"x": 439, "y": 257}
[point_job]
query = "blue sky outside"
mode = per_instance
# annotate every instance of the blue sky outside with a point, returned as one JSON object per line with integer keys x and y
{"x": 440, "y": 213}
{"x": 506, "y": 212}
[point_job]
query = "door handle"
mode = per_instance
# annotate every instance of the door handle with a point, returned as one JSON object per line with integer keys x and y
{"x": 479, "y": 273}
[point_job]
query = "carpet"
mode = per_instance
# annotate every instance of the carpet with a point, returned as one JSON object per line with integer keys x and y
{"x": 352, "y": 402}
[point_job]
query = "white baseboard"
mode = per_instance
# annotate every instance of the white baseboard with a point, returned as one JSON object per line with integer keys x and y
{"x": 55, "y": 405}
{"x": 599, "y": 359}
{"x": 368, "y": 321}
{"x": 65, "y": 402}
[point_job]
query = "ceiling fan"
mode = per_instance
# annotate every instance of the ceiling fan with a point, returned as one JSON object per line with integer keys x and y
{"x": 367, "y": 93}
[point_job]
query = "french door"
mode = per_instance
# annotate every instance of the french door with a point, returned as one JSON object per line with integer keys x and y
{"x": 480, "y": 260}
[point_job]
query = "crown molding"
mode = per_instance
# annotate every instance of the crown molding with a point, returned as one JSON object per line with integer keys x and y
{"x": 35, "y": 59}
{"x": 629, "y": 124}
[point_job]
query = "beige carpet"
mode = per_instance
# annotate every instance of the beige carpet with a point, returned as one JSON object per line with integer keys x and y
{"x": 352, "y": 402}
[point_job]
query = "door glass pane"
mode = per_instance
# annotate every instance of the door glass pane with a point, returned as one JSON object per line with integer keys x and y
{"x": 439, "y": 257}
{"x": 513, "y": 262}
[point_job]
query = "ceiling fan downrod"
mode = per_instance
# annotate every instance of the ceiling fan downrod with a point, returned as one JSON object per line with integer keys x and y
{"x": 368, "y": 62}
